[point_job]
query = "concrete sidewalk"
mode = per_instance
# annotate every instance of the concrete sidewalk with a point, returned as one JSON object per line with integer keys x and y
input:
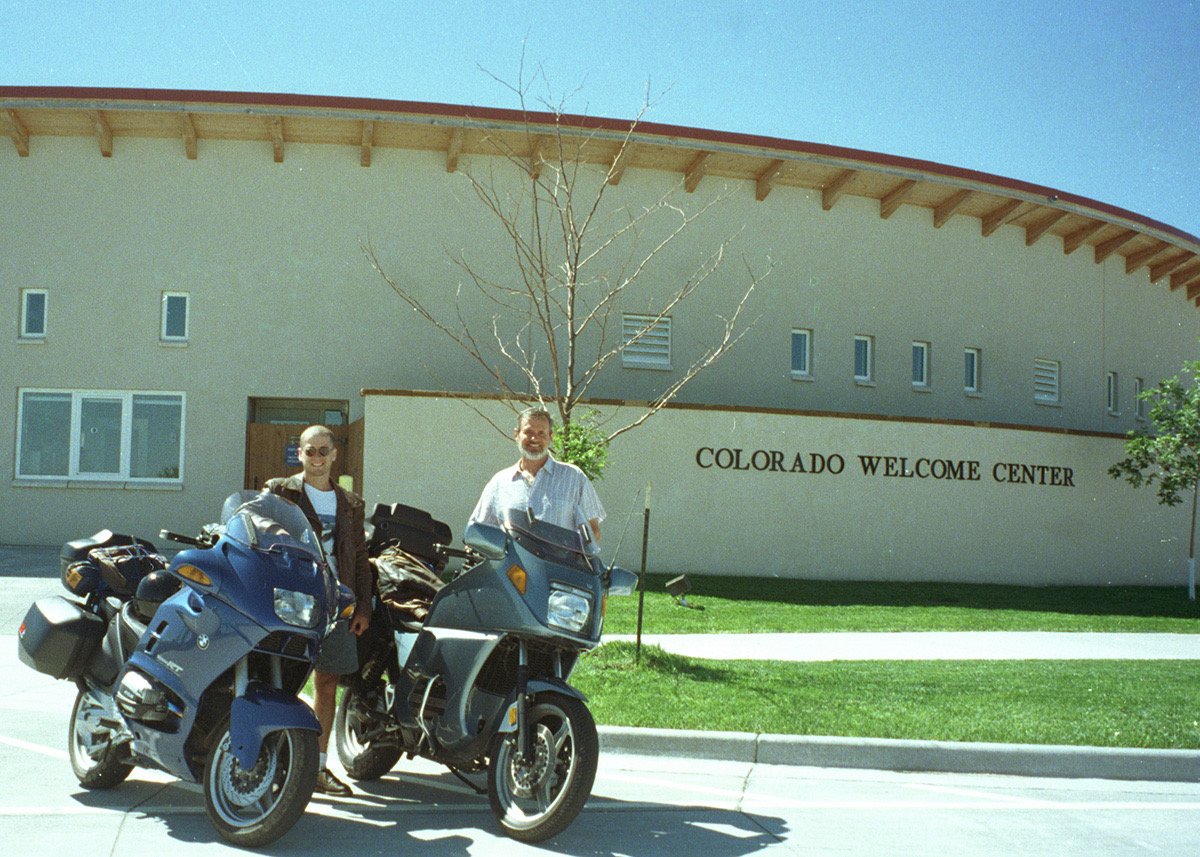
{"x": 927, "y": 646}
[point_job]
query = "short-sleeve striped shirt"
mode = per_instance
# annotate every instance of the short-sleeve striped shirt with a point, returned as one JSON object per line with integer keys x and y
{"x": 552, "y": 495}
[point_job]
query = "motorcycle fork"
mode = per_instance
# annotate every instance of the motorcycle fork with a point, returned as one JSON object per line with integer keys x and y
{"x": 241, "y": 674}
{"x": 524, "y": 740}
{"x": 522, "y": 701}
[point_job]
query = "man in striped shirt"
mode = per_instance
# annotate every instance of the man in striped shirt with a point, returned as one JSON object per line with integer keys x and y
{"x": 551, "y": 489}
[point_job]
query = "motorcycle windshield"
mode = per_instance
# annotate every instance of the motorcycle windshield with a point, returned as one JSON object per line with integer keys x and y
{"x": 264, "y": 521}
{"x": 549, "y": 542}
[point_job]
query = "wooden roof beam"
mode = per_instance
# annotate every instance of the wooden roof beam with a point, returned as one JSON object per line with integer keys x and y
{"x": 1193, "y": 290}
{"x": 765, "y": 182}
{"x": 104, "y": 134}
{"x": 620, "y": 161}
{"x": 187, "y": 130}
{"x": 1160, "y": 269}
{"x": 1135, "y": 260}
{"x": 537, "y": 157}
{"x": 454, "y": 149}
{"x": 1112, "y": 245}
{"x": 277, "y": 138}
{"x": 1185, "y": 276}
{"x": 1035, "y": 231}
{"x": 1076, "y": 239}
{"x": 18, "y": 132}
{"x": 695, "y": 171}
{"x": 946, "y": 208}
{"x": 368, "y": 140}
{"x": 836, "y": 187}
{"x": 895, "y": 198}
{"x": 997, "y": 217}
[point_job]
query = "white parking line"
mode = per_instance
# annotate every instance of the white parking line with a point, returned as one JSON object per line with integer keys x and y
{"x": 35, "y": 748}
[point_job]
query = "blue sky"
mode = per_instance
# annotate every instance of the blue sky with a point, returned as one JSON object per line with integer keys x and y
{"x": 1099, "y": 98}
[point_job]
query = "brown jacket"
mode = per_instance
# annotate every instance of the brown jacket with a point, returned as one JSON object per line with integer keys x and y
{"x": 349, "y": 537}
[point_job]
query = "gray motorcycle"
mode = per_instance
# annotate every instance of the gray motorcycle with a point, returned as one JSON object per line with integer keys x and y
{"x": 474, "y": 676}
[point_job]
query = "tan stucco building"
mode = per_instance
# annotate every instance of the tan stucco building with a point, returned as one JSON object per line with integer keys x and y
{"x": 963, "y": 349}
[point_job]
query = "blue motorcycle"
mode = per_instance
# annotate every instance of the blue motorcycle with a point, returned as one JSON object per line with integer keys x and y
{"x": 196, "y": 668}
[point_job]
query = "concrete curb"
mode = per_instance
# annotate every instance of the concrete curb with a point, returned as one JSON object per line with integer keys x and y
{"x": 1027, "y": 760}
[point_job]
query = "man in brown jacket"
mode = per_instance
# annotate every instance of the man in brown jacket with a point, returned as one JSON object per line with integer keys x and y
{"x": 337, "y": 515}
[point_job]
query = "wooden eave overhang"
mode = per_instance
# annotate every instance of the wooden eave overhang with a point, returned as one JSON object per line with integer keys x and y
{"x": 697, "y": 156}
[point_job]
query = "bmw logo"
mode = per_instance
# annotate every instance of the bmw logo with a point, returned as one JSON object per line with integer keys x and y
{"x": 202, "y": 641}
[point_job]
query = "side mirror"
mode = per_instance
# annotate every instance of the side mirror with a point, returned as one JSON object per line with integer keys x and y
{"x": 487, "y": 541}
{"x": 621, "y": 581}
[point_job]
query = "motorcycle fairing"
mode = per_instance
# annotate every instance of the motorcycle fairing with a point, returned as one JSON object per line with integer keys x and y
{"x": 170, "y": 651}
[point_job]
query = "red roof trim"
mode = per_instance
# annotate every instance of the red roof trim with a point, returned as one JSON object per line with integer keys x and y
{"x": 698, "y": 136}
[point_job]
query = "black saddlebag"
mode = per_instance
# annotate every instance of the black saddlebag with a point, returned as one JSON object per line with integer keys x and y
{"x": 414, "y": 530}
{"x": 58, "y": 637}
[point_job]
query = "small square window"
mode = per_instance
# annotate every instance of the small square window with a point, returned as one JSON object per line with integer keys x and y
{"x": 863, "y": 358}
{"x": 971, "y": 370}
{"x": 33, "y": 313}
{"x": 174, "y": 317}
{"x": 920, "y": 364}
{"x": 802, "y": 354}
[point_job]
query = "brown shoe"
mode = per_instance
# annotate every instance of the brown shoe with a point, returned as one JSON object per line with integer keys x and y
{"x": 328, "y": 784}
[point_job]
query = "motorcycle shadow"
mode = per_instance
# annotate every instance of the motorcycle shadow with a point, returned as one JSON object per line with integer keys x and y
{"x": 441, "y": 816}
{"x": 445, "y": 818}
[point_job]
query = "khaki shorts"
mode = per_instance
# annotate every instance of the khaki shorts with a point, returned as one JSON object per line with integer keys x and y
{"x": 339, "y": 651}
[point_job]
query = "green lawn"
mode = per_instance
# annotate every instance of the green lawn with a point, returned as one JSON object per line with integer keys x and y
{"x": 1099, "y": 703}
{"x": 760, "y": 605}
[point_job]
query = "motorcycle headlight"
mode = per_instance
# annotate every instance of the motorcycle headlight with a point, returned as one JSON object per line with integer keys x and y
{"x": 296, "y": 608}
{"x": 568, "y": 608}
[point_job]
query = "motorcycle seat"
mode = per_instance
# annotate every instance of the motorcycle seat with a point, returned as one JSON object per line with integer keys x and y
{"x": 131, "y": 627}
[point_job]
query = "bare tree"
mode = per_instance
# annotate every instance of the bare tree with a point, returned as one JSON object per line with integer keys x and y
{"x": 577, "y": 258}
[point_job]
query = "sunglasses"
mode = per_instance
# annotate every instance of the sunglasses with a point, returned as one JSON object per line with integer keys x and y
{"x": 323, "y": 452}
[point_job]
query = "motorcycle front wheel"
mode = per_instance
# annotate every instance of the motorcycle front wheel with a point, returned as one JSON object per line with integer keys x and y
{"x": 354, "y": 724}
{"x": 96, "y": 762}
{"x": 251, "y": 807}
{"x": 539, "y": 796}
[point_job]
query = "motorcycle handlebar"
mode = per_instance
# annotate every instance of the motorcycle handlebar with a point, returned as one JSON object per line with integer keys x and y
{"x": 182, "y": 539}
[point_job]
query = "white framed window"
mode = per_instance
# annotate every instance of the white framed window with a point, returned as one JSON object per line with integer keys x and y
{"x": 920, "y": 365}
{"x": 1046, "y": 374}
{"x": 1139, "y": 404}
{"x": 802, "y": 354}
{"x": 33, "y": 313}
{"x": 100, "y": 435}
{"x": 646, "y": 340}
{"x": 175, "y": 307}
{"x": 864, "y": 359}
{"x": 972, "y": 371}
{"x": 1112, "y": 401}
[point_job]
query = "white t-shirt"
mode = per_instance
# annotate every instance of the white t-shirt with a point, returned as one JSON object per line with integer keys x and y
{"x": 325, "y": 505}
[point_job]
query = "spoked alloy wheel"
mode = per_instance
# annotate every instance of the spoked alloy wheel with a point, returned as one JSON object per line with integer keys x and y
{"x": 96, "y": 762}
{"x": 538, "y": 797}
{"x": 256, "y": 806}
{"x": 354, "y": 721}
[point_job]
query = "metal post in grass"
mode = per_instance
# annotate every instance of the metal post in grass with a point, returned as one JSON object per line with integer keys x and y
{"x": 637, "y": 651}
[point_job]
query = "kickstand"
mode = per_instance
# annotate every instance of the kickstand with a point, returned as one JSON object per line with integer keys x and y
{"x": 479, "y": 790}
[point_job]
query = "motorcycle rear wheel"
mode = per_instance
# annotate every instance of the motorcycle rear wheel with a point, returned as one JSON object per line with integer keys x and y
{"x": 536, "y": 799}
{"x": 96, "y": 762}
{"x": 253, "y": 807}
{"x": 362, "y": 758}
